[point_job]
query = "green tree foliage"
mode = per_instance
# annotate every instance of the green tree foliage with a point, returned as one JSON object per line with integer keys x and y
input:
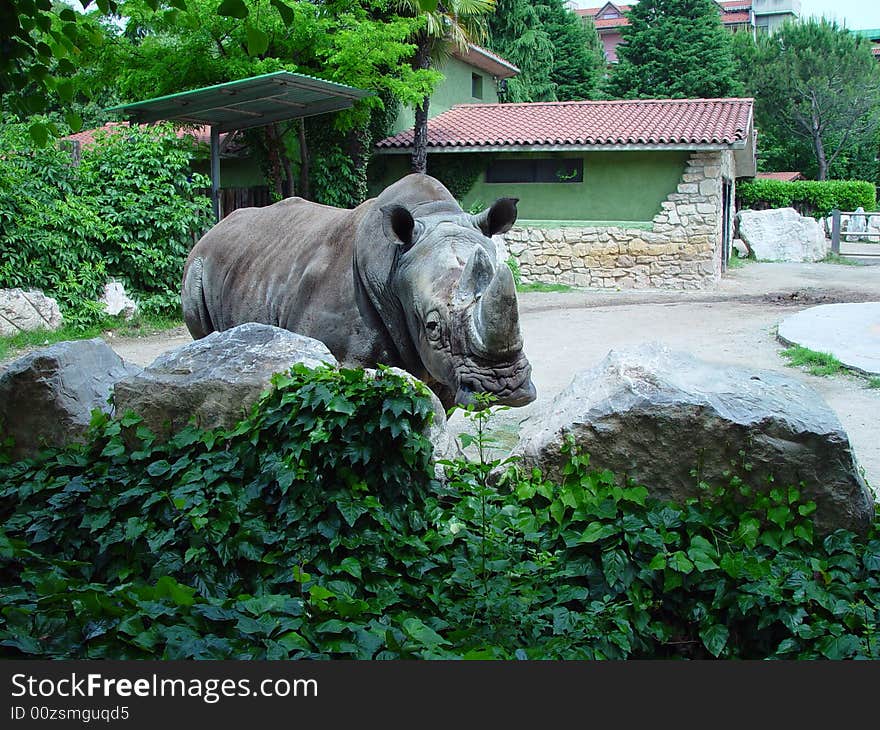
{"x": 444, "y": 26}
{"x": 817, "y": 99}
{"x": 313, "y": 529}
{"x": 673, "y": 48}
{"x": 560, "y": 56}
{"x": 518, "y": 35}
{"x": 361, "y": 44}
{"x": 578, "y": 57}
{"x": 40, "y": 44}
{"x": 130, "y": 210}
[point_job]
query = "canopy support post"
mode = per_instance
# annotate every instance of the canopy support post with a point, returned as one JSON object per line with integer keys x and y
{"x": 215, "y": 171}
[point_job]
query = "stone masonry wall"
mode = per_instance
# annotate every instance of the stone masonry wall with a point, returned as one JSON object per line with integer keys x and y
{"x": 680, "y": 251}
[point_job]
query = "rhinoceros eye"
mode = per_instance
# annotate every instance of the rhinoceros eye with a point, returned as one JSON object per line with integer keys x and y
{"x": 432, "y": 326}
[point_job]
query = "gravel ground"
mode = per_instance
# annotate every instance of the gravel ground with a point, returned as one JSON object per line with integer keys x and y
{"x": 735, "y": 323}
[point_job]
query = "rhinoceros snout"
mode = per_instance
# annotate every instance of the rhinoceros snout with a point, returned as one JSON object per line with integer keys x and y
{"x": 522, "y": 396}
{"x": 511, "y": 386}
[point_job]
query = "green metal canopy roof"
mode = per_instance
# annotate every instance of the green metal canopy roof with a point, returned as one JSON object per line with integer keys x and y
{"x": 251, "y": 102}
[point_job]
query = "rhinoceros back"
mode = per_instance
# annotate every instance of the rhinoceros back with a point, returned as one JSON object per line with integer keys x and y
{"x": 288, "y": 265}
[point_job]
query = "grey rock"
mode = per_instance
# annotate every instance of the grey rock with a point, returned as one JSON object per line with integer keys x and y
{"x": 47, "y": 397}
{"x": 669, "y": 420}
{"x": 857, "y": 223}
{"x": 25, "y": 311}
{"x": 740, "y": 248}
{"x": 116, "y": 301}
{"x": 782, "y": 234}
{"x": 217, "y": 379}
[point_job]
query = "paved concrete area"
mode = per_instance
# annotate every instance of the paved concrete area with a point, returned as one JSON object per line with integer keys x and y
{"x": 850, "y": 332}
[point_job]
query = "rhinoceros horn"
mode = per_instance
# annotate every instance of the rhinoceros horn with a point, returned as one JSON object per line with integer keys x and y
{"x": 495, "y": 324}
{"x": 475, "y": 277}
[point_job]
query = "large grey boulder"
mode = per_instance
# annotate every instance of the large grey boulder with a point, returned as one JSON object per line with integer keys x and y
{"x": 47, "y": 397}
{"x": 669, "y": 420}
{"x": 782, "y": 234}
{"x": 217, "y": 379}
{"x": 25, "y": 311}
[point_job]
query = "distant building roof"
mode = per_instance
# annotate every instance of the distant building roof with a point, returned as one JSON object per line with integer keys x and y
{"x": 683, "y": 123}
{"x": 201, "y": 135}
{"x": 612, "y": 15}
{"x": 784, "y": 176}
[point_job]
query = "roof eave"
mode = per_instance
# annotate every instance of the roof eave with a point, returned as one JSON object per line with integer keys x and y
{"x": 486, "y": 61}
{"x": 707, "y": 147}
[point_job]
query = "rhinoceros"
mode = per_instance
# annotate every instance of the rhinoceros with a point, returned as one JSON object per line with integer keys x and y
{"x": 406, "y": 279}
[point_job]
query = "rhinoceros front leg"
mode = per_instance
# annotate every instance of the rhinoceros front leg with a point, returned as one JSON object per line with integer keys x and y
{"x": 192, "y": 301}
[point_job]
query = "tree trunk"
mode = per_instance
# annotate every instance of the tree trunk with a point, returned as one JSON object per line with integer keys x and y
{"x": 821, "y": 160}
{"x": 273, "y": 150}
{"x": 303, "y": 162}
{"x": 419, "y": 161}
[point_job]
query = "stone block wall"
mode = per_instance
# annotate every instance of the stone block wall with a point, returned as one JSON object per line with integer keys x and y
{"x": 680, "y": 250}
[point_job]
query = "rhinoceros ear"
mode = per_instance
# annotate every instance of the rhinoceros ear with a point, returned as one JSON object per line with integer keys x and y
{"x": 499, "y": 218}
{"x": 398, "y": 222}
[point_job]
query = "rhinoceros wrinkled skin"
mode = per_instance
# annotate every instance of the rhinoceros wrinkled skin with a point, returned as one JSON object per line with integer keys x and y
{"x": 407, "y": 279}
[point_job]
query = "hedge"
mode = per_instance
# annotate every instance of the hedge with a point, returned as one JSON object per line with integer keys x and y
{"x": 809, "y": 197}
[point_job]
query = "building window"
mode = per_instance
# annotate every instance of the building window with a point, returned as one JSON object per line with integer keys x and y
{"x": 476, "y": 86}
{"x": 536, "y": 170}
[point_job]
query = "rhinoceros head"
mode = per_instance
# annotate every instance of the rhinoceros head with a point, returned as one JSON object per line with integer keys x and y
{"x": 458, "y": 302}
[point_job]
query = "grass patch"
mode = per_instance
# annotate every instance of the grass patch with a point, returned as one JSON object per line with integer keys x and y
{"x": 735, "y": 262}
{"x": 541, "y": 286}
{"x": 836, "y": 258}
{"x": 874, "y": 382}
{"x": 139, "y": 326}
{"x": 817, "y": 363}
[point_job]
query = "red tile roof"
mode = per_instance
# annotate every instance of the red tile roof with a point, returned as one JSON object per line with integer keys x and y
{"x": 87, "y": 137}
{"x": 784, "y": 176}
{"x": 586, "y": 123}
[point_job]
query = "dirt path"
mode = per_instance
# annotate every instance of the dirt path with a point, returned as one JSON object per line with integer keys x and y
{"x": 735, "y": 323}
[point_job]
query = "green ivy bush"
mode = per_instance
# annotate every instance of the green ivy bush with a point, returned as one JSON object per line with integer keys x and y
{"x": 314, "y": 530}
{"x": 129, "y": 211}
{"x": 50, "y": 232}
{"x": 809, "y": 197}
{"x": 142, "y": 184}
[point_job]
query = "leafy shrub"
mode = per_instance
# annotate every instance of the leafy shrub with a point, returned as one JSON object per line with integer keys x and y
{"x": 50, "y": 233}
{"x": 128, "y": 210}
{"x": 142, "y": 184}
{"x": 457, "y": 172}
{"x": 312, "y": 531}
{"x": 809, "y": 197}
